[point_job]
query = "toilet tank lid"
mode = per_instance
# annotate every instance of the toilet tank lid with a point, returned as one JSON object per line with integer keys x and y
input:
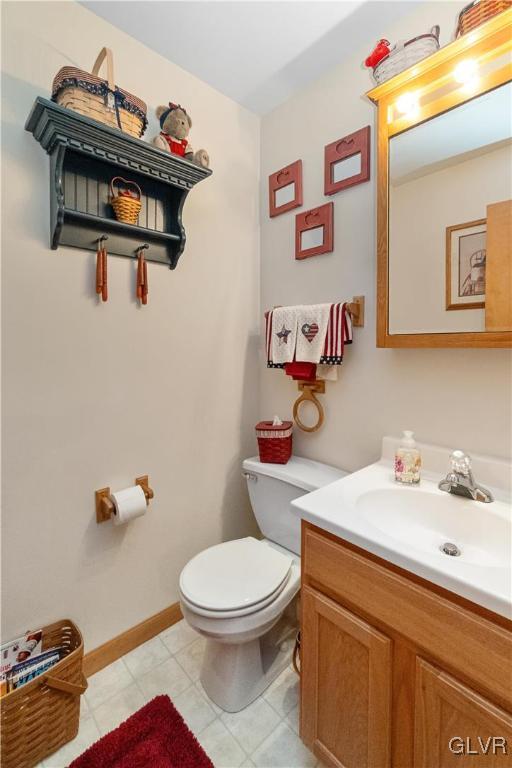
{"x": 301, "y": 473}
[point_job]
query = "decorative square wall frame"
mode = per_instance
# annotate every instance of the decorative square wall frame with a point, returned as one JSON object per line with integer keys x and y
{"x": 347, "y": 161}
{"x": 314, "y": 231}
{"x": 285, "y": 189}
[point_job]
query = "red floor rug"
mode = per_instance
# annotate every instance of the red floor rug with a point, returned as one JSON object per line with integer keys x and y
{"x": 154, "y": 737}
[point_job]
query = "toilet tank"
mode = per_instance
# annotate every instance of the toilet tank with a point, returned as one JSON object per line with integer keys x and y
{"x": 273, "y": 486}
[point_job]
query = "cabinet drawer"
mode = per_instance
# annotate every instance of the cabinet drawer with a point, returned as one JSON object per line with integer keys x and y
{"x": 444, "y": 629}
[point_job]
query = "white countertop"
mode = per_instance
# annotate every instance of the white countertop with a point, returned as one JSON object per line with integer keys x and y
{"x": 406, "y": 525}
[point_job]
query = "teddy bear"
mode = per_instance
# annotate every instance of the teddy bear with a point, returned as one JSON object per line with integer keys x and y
{"x": 175, "y": 125}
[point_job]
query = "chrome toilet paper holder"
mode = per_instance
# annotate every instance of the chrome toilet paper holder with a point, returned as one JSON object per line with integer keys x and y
{"x": 105, "y": 506}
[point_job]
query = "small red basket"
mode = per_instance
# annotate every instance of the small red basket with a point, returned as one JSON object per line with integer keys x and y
{"x": 274, "y": 441}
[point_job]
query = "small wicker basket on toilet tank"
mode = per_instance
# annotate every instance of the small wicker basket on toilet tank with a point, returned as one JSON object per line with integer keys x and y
{"x": 274, "y": 441}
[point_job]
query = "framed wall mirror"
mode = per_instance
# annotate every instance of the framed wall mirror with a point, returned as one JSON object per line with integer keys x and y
{"x": 445, "y": 196}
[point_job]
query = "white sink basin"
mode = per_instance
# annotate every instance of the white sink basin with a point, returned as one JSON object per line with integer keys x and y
{"x": 425, "y": 520}
{"x": 407, "y": 525}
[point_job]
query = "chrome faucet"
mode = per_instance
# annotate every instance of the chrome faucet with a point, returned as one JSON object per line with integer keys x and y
{"x": 461, "y": 482}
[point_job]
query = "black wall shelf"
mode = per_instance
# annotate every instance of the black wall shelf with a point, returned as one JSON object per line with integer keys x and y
{"x": 84, "y": 156}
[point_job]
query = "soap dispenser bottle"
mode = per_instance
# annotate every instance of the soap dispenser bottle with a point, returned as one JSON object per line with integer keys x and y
{"x": 407, "y": 460}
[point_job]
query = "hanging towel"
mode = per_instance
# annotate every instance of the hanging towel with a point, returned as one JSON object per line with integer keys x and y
{"x": 269, "y": 326}
{"x": 339, "y": 333}
{"x": 327, "y": 372}
{"x": 284, "y": 334}
{"x": 268, "y": 337}
{"x": 301, "y": 371}
{"x": 312, "y": 322}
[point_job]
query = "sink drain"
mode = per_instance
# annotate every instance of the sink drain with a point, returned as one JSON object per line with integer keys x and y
{"x": 450, "y": 549}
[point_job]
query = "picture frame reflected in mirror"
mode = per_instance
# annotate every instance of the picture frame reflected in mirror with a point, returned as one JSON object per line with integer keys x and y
{"x": 466, "y": 255}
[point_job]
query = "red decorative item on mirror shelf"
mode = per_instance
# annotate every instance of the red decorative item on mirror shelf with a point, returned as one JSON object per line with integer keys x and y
{"x": 381, "y": 49}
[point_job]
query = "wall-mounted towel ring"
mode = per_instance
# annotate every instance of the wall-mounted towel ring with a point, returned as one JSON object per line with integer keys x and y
{"x": 308, "y": 389}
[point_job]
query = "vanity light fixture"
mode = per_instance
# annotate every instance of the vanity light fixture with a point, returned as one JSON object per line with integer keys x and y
{"x": 408, "y": 104}
{"x": 466, "y": 72}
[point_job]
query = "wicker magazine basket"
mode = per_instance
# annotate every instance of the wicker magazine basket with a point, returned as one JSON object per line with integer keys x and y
{"x": 39, "y": 717}
{"x": 478, "y": 12}
{"x": 405, "y": 55}
{"x": 100, "y": 99}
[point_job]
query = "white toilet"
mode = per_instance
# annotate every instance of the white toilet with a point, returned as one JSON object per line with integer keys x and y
{"x": 240, "y": 594}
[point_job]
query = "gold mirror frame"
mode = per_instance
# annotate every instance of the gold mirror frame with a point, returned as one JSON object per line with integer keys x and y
{"x": 429, "y": 80}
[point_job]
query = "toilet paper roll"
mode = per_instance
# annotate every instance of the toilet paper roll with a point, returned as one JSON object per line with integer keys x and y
{"x": 129, "y": 503}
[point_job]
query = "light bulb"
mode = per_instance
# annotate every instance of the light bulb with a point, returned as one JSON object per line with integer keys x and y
{"x": 466, "y": 71}
{"x": 408, "y": 104}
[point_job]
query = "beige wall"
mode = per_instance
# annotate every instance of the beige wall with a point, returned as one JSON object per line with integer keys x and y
{"x": 451, "y": 397}
{"x": 95, "y": 395}
{"x": 420, "y": 210}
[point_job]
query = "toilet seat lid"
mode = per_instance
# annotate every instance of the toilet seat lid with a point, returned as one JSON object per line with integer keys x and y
{"x": 233, "y": 575}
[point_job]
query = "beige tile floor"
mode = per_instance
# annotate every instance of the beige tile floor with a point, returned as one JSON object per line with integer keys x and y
{"x": 264, "y": 735}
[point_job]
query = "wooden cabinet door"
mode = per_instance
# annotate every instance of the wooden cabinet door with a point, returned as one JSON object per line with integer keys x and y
{"x": 498, "y": 268}
{"x": 455, "y": 727}
{"x": 346, "y": 685}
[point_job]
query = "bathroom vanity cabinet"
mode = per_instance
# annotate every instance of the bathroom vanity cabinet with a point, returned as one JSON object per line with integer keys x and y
{"x": 395, "y": 670}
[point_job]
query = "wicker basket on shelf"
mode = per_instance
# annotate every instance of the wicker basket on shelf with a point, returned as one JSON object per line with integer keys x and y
{"x": 41, "y": 716}
{"x": 405, "y": 55}
{"x": 478, "y": 12}
{"x": 274, "y": 441}
{"x": 126, "y": 203}
{"x": 102, "y": 100}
